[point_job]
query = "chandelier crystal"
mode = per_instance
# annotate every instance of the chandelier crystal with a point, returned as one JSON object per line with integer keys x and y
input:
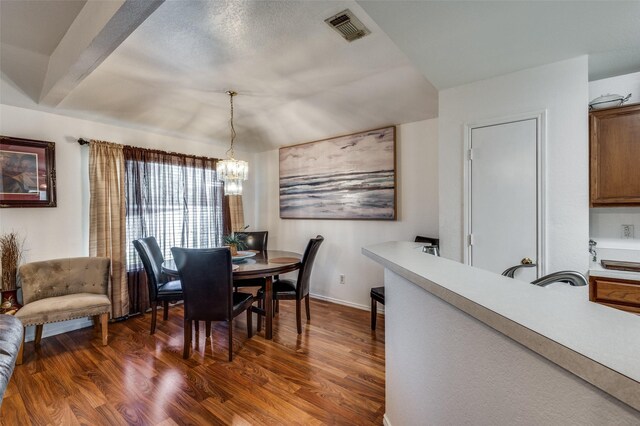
{"x": 232, "y": 171}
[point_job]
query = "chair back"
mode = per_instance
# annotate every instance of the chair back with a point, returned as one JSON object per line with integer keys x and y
{"x": 256, "y": 240}
{"x": 207, "y": 283}
{"x": 304, "y": 275}
{"x": 433, "y": 241}
{"x": 61, "y": 277}
{"x": 151, "y": 256}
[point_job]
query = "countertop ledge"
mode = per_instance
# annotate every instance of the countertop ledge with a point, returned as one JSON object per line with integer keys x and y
{"x": 597, "y": 343}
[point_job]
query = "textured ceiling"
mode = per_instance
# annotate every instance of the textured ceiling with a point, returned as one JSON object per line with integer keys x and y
{"x": 297, "y": 79}
{"x": 457, "y": 42}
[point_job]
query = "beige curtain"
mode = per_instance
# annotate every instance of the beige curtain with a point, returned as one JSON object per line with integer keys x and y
{"x": 107, "y": 218}
{"x": 236, "y": 212}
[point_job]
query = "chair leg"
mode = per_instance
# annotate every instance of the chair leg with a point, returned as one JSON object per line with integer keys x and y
{"x": 277, "y": 309}
{"x": 187, "y": 339}
{"x": 165, "y": 313}
{"x": 299, "y": 315}
{"x": 207, "y": 326}
{"x": 96, "y": 321}
{"x": 306, "y": 305}
{"x": 104, "y": 326}
{"x": 39, "y": 328}
{"x": 259, "y": 325}
{"x": 374, "y": 313}
{"x": 230, "y": 324}
{"x": 196, "y": 325}
{"x": 21, "y": 350}
{"x": 249, "y": 323}
{"x": 154, "y": 312}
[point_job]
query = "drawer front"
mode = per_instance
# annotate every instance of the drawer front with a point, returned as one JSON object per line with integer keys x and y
{"x": 613, "y": 291}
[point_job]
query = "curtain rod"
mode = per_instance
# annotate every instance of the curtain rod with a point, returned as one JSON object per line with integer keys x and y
{"x": 83, "y": 141}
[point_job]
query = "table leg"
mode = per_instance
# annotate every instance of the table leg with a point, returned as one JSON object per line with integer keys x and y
{"x": 268, "y": 308}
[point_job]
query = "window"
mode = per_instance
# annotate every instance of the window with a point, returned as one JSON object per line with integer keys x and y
{"x": 172, "y": 197}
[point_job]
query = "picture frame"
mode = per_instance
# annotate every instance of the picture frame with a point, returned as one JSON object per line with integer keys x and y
{"x": 27, "y": 173}
{"x": 350, "y": 177}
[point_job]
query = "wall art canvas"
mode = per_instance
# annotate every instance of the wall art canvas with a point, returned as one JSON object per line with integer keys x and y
{"x": 27, "y": 173}
{"x": 347, "y": 177}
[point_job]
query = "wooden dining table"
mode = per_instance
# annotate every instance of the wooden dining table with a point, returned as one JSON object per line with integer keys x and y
{"x": 265, "y": 264}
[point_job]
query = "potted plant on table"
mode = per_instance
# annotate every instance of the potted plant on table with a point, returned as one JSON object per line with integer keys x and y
{"x": 10, "y": 256}
{"x": 235, "y": 241}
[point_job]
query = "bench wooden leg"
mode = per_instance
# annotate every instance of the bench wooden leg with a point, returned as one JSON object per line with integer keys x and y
{"x": 21, "y": 350}
{"x": 38, "y": 338}
{"x": 104, "y": 327}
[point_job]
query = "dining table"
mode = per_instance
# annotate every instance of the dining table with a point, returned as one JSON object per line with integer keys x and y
{"x": 257, "y": 264}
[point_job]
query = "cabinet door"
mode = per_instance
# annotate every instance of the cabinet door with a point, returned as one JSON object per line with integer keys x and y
{"x": 615, "y": 156}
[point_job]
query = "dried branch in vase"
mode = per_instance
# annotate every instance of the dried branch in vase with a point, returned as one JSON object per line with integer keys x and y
{"x": 11, "y": 253}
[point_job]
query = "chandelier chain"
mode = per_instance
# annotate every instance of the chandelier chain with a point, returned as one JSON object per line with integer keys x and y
{"x": 230, "y": 151}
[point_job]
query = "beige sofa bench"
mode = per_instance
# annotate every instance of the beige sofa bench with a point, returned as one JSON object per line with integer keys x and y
{"x": 64, "y": 289}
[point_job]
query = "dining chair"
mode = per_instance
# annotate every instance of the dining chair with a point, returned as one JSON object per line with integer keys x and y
{"x": 207, "y": 283}
{"x": 284, "y": 289}
{"x": 161, "y": 287}
{"x": 254, "y": 241}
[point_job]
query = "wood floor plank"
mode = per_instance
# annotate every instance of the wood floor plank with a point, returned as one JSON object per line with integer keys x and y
{"x": 332, "y": 373}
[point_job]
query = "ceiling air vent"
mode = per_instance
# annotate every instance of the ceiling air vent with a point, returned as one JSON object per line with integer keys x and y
{"x": 348, "y": 25}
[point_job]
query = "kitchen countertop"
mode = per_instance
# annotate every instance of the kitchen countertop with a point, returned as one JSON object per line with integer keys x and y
{"x": 620, "y": 250}
{"x": 595, "y": 342}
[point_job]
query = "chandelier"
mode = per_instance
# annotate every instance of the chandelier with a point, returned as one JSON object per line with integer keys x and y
{"x": 230, "y": 170}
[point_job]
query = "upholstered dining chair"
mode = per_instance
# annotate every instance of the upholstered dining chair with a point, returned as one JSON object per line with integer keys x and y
{"x": 207, "y": 283}
{"x": 256, "y": 240}
{"x": 284, "y": 289}
{"x": 161, "y": 287}
{"x": 253, "y": 241}
{"x": 64, "y": 289}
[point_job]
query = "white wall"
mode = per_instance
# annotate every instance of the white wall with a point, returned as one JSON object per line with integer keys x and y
{"x": 606, "y": 222}
{"x": 63, "y": 231}
{"x": 561, "y": 89}
{"x": 417, "y": 167}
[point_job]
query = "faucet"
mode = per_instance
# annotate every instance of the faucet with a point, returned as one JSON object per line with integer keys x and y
{"x": 574, "y": 278}
{"x": 592, "y": 250}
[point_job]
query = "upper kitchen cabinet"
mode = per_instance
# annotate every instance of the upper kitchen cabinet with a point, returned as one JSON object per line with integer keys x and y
{"x": 615, "y": 156}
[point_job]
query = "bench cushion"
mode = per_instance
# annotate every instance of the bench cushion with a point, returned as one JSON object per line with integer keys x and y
{"x": 63, "y": 308}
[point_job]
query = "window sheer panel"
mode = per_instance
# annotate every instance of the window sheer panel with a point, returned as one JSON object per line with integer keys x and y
{"x": 175, "y": 198}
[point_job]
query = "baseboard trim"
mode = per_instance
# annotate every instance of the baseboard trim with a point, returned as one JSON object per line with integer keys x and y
{"x": 385, "y": 420}
{"x": 346, "y": 303}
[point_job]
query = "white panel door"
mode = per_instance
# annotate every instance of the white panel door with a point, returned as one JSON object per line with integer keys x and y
{"x": 504, "y": 197}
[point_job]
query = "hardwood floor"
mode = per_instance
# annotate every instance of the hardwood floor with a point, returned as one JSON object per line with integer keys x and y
{"x": 331, "y": 374}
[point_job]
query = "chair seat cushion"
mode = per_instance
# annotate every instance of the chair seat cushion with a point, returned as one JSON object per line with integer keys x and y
{"x": 63, "y": 308}
{"x": 283, "y": 288}
{"x": 377, "y": 293}
{"x": 241, "y": 301}
{"x": 171, "y": 287}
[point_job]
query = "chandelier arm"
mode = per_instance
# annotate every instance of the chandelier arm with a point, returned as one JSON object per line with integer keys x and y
{"x": 233, "y": 130}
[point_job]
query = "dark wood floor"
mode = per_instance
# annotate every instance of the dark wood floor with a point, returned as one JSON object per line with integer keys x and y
{"x": 331, "y": 374}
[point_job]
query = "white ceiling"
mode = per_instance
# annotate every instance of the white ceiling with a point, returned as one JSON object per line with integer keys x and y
{"x": 297, "y": 79}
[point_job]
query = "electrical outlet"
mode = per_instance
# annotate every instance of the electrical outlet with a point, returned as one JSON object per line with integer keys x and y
{"x": 341, "y": 278}
{"x": 628, "y": 231}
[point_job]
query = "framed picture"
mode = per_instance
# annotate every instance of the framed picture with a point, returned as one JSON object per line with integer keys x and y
{"x": 347, "y": 177}
{"x": 27, "y": 173}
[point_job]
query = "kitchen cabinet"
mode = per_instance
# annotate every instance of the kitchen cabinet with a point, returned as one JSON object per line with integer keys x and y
{"x": 615, "y": 292}
{"x": 614, "y": 156}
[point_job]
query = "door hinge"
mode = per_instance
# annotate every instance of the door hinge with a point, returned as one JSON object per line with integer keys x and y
{"x": 470, "y": 154}
{"x": 470, "y": 239}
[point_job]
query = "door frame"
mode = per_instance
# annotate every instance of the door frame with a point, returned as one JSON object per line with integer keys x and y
{"x": 541, "y": 160}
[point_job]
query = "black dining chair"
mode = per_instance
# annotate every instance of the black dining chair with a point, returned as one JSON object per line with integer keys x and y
{"x": 284, "y": 289}
{"x": 377, "y": 293}
{"x": 253, "y": 241}
{"x": 256, "y": 240}
{"x": 207, "y": 283}
{"x": 161, "y": 287}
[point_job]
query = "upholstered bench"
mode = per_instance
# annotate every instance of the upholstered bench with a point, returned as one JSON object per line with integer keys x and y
{"x": 10, "y": 341}
{"x": 64, "y": 289}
